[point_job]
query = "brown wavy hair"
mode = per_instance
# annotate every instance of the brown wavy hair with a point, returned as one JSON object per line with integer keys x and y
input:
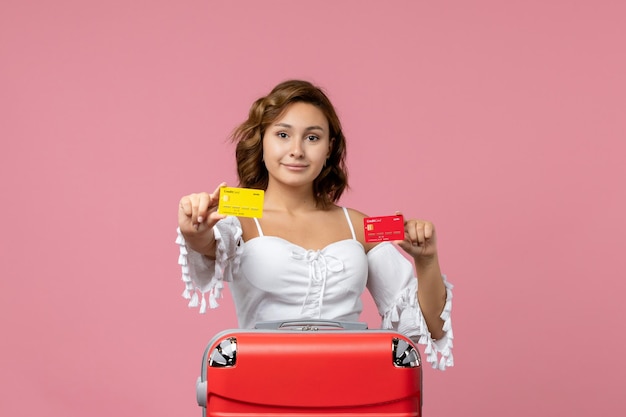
{"x": 332, "y": 181}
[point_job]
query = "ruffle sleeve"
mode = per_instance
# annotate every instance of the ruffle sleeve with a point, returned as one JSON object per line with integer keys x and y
{"x": 393, "y": 286}
{"x": 202, "y": 275}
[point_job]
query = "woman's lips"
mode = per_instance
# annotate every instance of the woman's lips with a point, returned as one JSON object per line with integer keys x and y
{"x": 295, "y": 167}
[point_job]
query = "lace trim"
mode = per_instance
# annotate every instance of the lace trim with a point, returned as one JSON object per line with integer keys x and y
{"x": 438, "y": 352}
{"x": 224, "y": 267}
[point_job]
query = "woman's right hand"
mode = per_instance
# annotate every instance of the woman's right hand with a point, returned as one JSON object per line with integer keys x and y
{"x": 197, "y": 214}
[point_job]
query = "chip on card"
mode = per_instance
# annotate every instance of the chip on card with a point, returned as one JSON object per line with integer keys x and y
{"x": 244, "y": 202}
{"x": 384, "y": 228}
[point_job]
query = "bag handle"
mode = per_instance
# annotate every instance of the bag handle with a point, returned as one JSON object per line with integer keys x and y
{"x": 310, "y": 325}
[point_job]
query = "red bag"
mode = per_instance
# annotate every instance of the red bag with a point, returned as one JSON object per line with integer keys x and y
{"x": 305, "y": 368}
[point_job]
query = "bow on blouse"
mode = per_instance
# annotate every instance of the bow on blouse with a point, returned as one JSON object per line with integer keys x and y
{"x": 319, "y": 266}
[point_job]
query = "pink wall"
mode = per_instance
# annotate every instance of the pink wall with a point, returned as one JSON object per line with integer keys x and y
{"x": 503, "y": 122}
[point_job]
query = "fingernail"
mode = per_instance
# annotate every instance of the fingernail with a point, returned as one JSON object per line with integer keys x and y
{"x": 200, "y": 219}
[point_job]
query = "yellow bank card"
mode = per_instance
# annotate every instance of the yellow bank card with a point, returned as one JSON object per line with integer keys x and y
{"x": 244, "y": 202}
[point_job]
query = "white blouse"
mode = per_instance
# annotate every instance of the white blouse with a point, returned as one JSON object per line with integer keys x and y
{"x": 273, "y": 279}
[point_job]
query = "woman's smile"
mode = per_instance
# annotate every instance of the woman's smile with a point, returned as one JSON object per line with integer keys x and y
{"x": 295, "y": 167}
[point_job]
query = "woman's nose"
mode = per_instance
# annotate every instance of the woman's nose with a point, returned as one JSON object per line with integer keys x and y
{"x": 296, "y": 149}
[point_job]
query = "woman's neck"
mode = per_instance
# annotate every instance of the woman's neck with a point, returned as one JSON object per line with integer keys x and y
{"x": 289, "y": 199}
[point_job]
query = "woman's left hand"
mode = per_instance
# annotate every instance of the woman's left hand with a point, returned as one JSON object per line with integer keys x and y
{"x": 420, "y": 239}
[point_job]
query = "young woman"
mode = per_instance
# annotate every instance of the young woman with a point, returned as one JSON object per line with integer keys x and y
{"x": 307, "y": 257}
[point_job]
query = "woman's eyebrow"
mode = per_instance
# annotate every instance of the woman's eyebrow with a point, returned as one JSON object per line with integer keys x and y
{"x": 288, "y": 126}
{"x": 314, "y": 128}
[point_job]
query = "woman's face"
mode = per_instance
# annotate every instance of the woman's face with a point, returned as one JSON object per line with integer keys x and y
{"x": 296, "y": 145}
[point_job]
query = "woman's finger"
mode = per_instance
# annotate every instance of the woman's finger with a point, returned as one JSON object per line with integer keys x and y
{"x": 421, "y": 233}
{"x": 428, "y": 230}
{"x": 215, "y": 197}
{"x": 185, "y": 206}
{"x": 204, "y": 202}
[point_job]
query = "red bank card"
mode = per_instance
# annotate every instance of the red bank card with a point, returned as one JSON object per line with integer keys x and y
{"x": 383, "y": 228}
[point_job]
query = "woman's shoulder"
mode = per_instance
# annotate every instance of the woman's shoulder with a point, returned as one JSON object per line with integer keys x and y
{"x": 354, "y": 213}
{"x": 356, "y": 218}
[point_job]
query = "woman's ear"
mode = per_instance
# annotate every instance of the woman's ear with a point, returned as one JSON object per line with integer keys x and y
{"x": 330, "y": 147}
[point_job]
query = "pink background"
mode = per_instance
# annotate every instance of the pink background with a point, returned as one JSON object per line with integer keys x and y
{"x": 503, "y": 122}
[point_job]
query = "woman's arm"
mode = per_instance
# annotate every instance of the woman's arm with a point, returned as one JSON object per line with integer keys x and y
{"x": 420, "y": 241}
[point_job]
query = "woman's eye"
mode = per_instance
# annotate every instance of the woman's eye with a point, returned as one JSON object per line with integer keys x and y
{"x": 312, "y": 138}
{"x": 282, "y": 135}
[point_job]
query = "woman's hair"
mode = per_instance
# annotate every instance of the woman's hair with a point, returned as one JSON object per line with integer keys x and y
{"x": 332, "y": 181}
